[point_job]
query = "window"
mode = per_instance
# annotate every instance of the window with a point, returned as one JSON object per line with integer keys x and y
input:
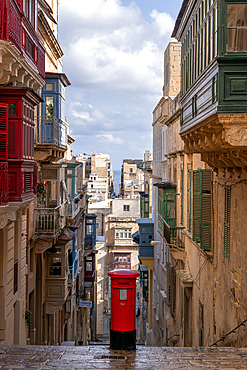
{"x": 89, "y": 229}
{"x": 89, "y": 266}
{"x": 227, "y": 222}
{"x": 194, "y": 106}
{"x": 49, "y": 106}
{"x": 126, "y": 207}
{"x": 236, "y": 27}
{"x": 49, "y": 86}
{"x": 11, "y": 109}
{"x": 214, "y": 89}
{"x": 29, "y": 47}
{"x": 202, "y": 208}
{"x": 167, "y": 73}
{"x": 55, "y": 266}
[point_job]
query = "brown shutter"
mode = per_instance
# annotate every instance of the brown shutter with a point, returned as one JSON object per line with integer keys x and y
{"x": 3, "y": 132}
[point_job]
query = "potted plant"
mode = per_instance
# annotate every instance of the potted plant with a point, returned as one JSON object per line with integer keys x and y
{"x": 41, "y": 191}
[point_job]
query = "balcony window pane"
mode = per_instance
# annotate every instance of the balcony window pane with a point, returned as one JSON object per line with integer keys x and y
{"x": 55, "y": 266}
{"x": 49, "y": 87}
{"x": 236, "y": 27}
{"x": 89, "y": 266}
{"x": 11, "y": 109}
{"x": 49, "y": 106}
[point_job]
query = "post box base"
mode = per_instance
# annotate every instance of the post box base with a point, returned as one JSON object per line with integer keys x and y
{"x": 123, "y": 340}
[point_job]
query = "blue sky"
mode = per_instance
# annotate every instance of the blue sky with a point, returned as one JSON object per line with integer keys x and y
{"x": 113, "y": 56}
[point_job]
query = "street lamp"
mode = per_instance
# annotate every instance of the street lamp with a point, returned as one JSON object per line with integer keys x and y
{"x": 170, "y": 246}
{"x": 155, "y": 242}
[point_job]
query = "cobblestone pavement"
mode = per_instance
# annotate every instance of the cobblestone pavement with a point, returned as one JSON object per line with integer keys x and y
{"x": 101, "y": 357}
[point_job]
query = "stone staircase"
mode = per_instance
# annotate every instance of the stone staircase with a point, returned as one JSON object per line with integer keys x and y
{"x": 101, "y": 357}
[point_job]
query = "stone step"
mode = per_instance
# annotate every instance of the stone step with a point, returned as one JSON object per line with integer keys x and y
{"x": 102, "y": 357}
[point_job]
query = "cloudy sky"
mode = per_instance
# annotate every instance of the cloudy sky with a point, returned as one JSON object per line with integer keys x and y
{"x": 113, "y": 56}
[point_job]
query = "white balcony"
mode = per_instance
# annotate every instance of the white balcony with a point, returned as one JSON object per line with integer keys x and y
{"x": 50, "y": 221}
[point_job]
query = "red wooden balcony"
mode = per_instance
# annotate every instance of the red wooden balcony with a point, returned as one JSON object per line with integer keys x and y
{"x": 4, "y": 184}
{"x": 17, "y": 28}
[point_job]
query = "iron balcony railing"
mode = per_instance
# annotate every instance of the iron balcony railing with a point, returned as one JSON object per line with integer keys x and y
{"x": 51, "y": 130}
{"x": 49, "y": 222}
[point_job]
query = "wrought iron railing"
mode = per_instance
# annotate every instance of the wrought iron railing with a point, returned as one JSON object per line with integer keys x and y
{"x": 4, "y": 184}
{"x": 174, "y": 335}
{"x": 49, "y": 222}
{"x": 51, "y": 130}
{"x": 230, "y": 332}
{"x": 171, "y": 233}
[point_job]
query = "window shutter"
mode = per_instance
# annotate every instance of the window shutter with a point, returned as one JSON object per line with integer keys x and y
{"x": 227, "y": 222}
{"x": 197, "y": 206}
{"x": 3, "y": 132}
{"x": 182, "y": 196}
{"x": 206, "y": 210}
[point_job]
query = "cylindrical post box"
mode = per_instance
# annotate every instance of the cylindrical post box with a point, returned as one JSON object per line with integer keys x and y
{"x": 123, "y": 309}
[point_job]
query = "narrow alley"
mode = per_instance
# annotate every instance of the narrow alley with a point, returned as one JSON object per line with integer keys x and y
{"x": 101, "y": 357}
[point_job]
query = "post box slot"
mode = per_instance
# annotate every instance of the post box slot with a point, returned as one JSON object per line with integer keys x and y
{"x": 123, "y": 283}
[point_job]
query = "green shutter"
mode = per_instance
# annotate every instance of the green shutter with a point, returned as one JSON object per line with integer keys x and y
{"x": 202, "y": 208}
{"x": 182, "y": 196}
{"x": 227, "y": 222}
{"x": 189, "y": 202}
{"x": 196, "y": 206}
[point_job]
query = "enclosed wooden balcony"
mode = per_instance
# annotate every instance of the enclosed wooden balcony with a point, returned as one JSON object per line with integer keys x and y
{"x": 4, "y": 184}
{"x": 73, "y": 207}
{"x": 50, "y": 139}
{"x": 19, "y": 39}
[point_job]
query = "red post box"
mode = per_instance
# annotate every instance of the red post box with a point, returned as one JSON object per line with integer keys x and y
{"x": 123, "y": 309}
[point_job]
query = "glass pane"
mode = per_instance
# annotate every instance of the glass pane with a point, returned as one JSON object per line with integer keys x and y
{"x": 11, "y": 109}
{"x": 49, "y": 106}
{"x": 55, "y": 266}
{"x": 49, "y": 86}
{"x": 89, "y": 266}
{"x": 236, "y": 27}
{"x": 170, "y": 210}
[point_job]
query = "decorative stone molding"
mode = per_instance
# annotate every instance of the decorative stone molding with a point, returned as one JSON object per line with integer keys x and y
{"x": 5, "y": 217}
{"x": 53, "y": 307}
{"x": 42, "y": 245}
{"x": 221, "y": 139}
{"x": 15, "y": 69}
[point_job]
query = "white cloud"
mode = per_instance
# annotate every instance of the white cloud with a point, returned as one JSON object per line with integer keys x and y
{"x": 110, "y": 45}
{"x": 108, "y": 138}
{"x": 114, "y": 59}
{"x": 86, "y": 112}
